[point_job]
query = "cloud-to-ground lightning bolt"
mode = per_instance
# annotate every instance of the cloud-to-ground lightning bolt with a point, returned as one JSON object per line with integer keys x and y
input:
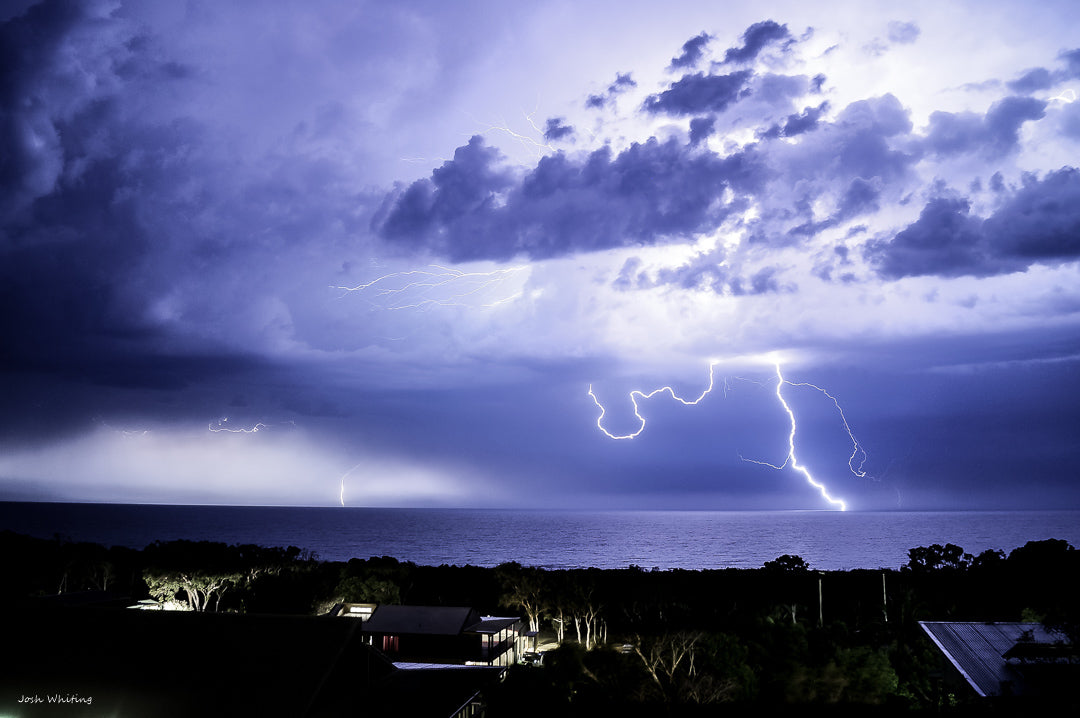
{"x": 793, "y": 460}
{"x": 635, "y": 395}
{"x": 438, "y": 286}
{"x": 790, "y": 459}
{"x": 341, "y": 494}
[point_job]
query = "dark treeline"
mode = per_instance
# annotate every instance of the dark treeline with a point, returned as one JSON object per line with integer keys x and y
{"x": 782, "y": 636}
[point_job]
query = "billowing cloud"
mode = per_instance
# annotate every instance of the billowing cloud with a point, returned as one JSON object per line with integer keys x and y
{"x": 556, "y": 129}
{"x": 994, "y": 134}
{"x": 649, "y": 193}
{"x": 692, "y": 52}
{"x": 700, "y": 93}
{"x": 1039, "y": 223}
{"x": 798, "y": 123}
{"x": 756, "y": 38}
{"x": 1038, "y": 79}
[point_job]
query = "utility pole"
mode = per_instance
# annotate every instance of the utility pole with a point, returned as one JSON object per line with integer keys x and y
{"x": 820, "y": 608}
{"x": 884, "y": 599}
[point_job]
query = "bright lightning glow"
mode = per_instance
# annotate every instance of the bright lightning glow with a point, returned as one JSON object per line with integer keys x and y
{"x": 635, "y": 395}
{"x": 1065, "y": 97}
{"x": 440, "y": 286}
{"x": 791, "y": 459}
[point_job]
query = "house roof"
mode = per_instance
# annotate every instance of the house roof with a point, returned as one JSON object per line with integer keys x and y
{"x": 427, "y": 620}
{"x": 493, "y": 624}
{"x": 991, "y": 656}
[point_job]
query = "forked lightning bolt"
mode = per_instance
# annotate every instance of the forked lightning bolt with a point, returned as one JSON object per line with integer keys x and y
{"x": 790, "y": 459}
{"x": 438, "y": 286}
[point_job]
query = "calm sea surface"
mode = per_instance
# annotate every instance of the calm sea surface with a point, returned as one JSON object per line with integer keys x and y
{"x": 554, "y": 539}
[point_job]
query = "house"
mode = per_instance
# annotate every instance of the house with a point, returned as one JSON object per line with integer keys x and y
{"x": 444, "y": 635}
{"x": 362, "y": 611}
{"x": 93, "y": 658}
{"x": 1001, "y": 660}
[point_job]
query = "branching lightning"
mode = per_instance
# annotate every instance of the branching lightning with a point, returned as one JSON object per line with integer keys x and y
{"x": 439, "y": 286}
{"x": 219, "y": 426}
{"x": 790, "y": 460}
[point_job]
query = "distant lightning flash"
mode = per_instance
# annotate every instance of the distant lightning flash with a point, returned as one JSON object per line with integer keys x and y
{"x": 790, "y": 459}
{"x": 220, "y": 426}
{"x": 341, "y": 494}
{"x": 438, "y": 286}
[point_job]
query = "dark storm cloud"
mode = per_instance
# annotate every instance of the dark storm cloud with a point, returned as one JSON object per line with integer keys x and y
{"x": 117, "y": 208}
{"x": 1041, "y": 78}
{"x": 994, "y": 134}
{"x": 622, "y": 83}
{"x": 71, "y": 233}
{"x": 756, "y": 38}
{"x": 692, "y": 51}
{"x": 798, "y": 123}
{"x": 461, "y": 191}
{"x": 1035, "y": 79}
{"x": 945, "y": 241}
{"x": 644, "y": 195}
{"x": 703, "y": 272}
{"x": 861, "y": 197}
{"x": 1039, "y": 223}
{"x": 700, "y": 94}
{"x": 701, "y": 128}
{"x": 868, "y": 139}
{"x": 556, "y": 129}
{"x": 50, "y": 76}
{"x": 1072, "y": 62}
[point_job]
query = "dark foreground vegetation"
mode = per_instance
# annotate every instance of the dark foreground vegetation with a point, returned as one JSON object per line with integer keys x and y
{"x": 784, "y": 637}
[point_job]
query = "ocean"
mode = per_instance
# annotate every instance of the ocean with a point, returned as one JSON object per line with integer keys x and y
{"x": 827, "y": 540}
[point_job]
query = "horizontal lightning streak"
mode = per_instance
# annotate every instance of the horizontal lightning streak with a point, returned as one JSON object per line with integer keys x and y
{"x": 221, "y": 427}
{"x": 635, "y": 395}
{"x": 438, "y": 286}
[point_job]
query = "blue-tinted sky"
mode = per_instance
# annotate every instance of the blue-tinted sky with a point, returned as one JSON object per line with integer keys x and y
{"x": 300, "y": 253}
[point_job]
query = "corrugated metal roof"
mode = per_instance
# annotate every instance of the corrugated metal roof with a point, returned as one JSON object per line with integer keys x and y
{"x": 977, "y": 651}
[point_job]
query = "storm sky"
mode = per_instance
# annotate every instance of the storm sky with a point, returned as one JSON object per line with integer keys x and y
{"x": 377, "y": 253}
